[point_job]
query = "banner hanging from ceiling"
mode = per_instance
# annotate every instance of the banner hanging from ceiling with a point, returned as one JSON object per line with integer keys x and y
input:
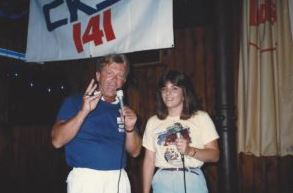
{"x": 66, "y": 29}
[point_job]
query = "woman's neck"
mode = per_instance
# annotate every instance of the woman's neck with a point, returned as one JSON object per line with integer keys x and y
{"x": 174, "y": 112}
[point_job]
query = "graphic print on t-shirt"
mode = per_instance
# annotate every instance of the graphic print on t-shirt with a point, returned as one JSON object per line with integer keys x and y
{"x": 167, "y": 138}
{"x": 120, "y": 124}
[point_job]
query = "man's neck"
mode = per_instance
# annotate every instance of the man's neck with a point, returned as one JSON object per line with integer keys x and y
{"x": 109, "y": 99}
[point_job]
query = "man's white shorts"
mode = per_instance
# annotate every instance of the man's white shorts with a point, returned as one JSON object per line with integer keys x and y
{"x": 84, "y": 180}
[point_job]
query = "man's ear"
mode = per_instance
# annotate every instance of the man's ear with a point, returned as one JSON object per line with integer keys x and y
{"x": 98, "y": 74}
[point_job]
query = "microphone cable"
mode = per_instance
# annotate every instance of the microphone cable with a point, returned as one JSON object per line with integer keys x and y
{"x": 121, "y": 161}
{"x": 178, "y": 135}
{"x": 120, "y": 95}
{"x": 184, "y": 177}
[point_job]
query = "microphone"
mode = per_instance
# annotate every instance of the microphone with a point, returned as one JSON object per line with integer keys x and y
{"x": 119, "y": 94}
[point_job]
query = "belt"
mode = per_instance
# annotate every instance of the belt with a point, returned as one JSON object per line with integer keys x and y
{"x": 191, "y": 170}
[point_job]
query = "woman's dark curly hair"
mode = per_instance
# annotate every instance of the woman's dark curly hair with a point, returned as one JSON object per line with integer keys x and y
{"x": 190, "y": 104}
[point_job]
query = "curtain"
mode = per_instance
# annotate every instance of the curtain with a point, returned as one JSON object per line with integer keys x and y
{"x": 265, "y": 82}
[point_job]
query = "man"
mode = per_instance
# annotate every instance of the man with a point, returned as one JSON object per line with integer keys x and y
{"x": 97, "y": 134}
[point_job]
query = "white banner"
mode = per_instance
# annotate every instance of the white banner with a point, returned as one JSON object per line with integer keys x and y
{"x": 65, "y": 30}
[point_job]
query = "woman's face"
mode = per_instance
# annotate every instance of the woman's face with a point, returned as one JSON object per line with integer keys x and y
{"x": 172, "y": 96}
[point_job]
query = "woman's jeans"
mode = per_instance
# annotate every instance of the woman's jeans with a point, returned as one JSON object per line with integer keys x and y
{"x": 166, "y": 181}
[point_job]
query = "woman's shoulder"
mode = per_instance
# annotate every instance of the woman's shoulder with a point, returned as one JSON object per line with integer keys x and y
{"x": 153, "y": 118}
{"x": 200, "y": 114}
{"x": 202, "y": 118}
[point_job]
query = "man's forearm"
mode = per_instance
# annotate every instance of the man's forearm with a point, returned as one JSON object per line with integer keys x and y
{"x": 133, "y": 143}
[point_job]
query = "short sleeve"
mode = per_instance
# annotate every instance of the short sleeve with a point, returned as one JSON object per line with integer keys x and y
{"x": 69, "y": 108}
{"x": 148, "y": 136}
{"x": 209, "y": 132}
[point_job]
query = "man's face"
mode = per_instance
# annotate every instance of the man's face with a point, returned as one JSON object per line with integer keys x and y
{"x": 111, "y": 77}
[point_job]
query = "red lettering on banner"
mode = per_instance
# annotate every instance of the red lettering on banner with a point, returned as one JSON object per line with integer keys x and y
{"x": 93, "y": 32}
{"x": 108, "y": 26}
{"x": 260, "y": 13}
{"x": 76, "y": 37}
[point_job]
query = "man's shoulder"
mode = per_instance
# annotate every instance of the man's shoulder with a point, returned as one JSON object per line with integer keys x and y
{"x": 75, "y": 99}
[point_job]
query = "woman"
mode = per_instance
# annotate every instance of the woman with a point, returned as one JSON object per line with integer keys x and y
{"x": 178, "y": 139}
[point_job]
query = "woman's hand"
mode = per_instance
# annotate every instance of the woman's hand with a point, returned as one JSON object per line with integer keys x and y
{"x": 182, "y": 145}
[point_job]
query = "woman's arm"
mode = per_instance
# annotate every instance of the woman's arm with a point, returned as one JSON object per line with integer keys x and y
{"x": 148, "y": 170}
{"x": 209, "y": 153}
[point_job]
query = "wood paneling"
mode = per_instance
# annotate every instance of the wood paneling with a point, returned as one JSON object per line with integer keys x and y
{"x": 265, "y": 174}
{"x": 31, "y": 164}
